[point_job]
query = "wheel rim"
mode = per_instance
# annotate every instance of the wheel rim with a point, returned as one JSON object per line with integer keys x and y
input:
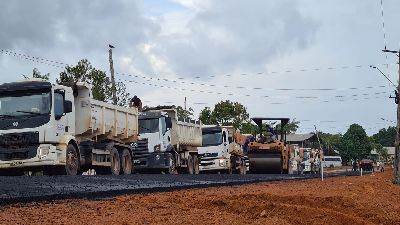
{"x": 190, "y": 165}
{"x": 127, "y": 163}
{"x": 71, "y": 163}
{"x": 115, "y": 166}
{"x": 196, "y": 165}
{"x": 172, "y": 169}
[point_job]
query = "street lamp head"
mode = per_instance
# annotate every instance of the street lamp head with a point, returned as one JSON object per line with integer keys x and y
{"x": 385, "y": 50}
{"x": 110, "y": 46}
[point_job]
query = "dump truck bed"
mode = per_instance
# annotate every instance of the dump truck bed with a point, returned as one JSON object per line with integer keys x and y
{"x": 99, "y": 119}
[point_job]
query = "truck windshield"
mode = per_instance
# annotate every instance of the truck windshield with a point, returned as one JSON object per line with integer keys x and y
{"x": 148, "y": 126}
{"x": 333, "y": 159}
{"x": 22, "y": 104}
{"x": 306, "y": 156}
{"x": 212, "y": 138}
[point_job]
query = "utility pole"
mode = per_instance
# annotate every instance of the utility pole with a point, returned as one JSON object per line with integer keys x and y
{"x": 321, "y": 165}
{"x": 113, "y": 88}
{"x": 396, "y": 166}
{"x": 185, "y": 104}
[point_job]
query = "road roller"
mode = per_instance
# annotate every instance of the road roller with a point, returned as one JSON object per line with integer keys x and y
{"x": 269, "y": 153}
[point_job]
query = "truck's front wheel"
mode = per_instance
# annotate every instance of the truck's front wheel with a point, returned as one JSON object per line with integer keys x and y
{"x": 115, "y": 162}
{"x": 242, "y": 169}
{"x": 72, "y": 160}
{"x": 172, "y": 165}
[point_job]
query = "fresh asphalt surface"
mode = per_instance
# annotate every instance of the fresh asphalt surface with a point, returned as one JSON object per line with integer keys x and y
{"x": 19, "y": 189}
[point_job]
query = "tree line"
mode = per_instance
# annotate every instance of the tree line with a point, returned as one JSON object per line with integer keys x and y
{"x": 85, "y": 72}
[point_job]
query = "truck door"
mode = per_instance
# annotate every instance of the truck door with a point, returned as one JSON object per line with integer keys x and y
{"x": 164, "y": 134}
{"x": 225, "y": 144}
{"x": 60, "y": 119}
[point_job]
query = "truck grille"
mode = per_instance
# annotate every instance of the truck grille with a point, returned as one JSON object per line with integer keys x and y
{"x": 141, "y": 147}
{"x": 18, "y": 145}
{"x": 208, "y": 155}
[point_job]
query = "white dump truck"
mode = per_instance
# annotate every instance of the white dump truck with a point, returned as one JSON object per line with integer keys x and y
{"x": 59, "y": 129}
{"x": 166, "y": 142}
{"x": 221, "y": 151}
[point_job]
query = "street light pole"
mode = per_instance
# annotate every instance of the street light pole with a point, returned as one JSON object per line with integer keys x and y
{"x": 396, "y": 172}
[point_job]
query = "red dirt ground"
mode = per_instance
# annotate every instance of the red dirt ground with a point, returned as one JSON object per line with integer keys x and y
{"x": 371, "y": 199}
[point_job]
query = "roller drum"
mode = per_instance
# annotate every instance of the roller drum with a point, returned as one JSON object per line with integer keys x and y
{"x": 265, "y": 163}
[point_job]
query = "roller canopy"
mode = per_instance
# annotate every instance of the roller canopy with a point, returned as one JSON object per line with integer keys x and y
{"x": 259, "y": 120}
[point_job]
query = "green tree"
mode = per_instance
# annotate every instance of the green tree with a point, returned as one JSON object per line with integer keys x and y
{"x": 386, "y": 137}
{"x": 330, "y": 142}
{"x": 382, "y": 152}
{"x": 290, "y": 128}
{"x": 249, "y": 128}
{"x": 37, "y": 74}
{"x": 182, "y": 113}
{"x": 355, "y": 144}
{"x": 123, "y": 96}
{"x": 101, "y": 84}
{"x": 206, "y": 116}
{"x": 227, "y": 113}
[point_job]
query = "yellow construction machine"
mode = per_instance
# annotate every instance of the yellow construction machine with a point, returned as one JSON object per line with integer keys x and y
{"x": 269, "y": 153}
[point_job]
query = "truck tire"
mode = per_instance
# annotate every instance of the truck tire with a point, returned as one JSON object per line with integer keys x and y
{"x": 242, "y": 169}
{"x": 230, "y": 170}
{"x": 189, "y": 168}
{"x": 115, "y": 162}
{"x": 72, "y": 160}
{"x": 126, "y": 162}
{"x": 196, "y": 166}
{"x": 172, "y": 165}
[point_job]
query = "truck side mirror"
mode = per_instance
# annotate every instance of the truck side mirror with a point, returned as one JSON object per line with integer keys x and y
{"x": 168, "y": 122}
{"x": 67, "y": 106}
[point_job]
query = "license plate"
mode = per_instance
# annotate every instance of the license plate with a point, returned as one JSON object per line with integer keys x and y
{"x": 16, "y": 163}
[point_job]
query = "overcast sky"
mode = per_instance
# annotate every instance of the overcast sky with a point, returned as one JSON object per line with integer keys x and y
{"x": 267, "y": 55}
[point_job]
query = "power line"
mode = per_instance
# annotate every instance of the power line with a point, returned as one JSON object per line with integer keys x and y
{"x": 340, "y": 98}
{"x": 247, "y": 88}
{"x": 384, "y": 37}
{"x": 48, "y": 62}
{"x": 387, "y": 78}
{"x": 383, "y": 26}
{"x": 59, "y": 64}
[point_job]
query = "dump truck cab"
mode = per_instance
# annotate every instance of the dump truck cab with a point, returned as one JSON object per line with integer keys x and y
{"x": 214, "y": 154}
{"x": 221, "y": 151}
{"x": 37, "y": 122}
{"x": 153, "y": 151}
{"x": 171, "y": 142}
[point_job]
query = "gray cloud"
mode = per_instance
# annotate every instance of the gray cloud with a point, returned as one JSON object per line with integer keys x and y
{"x": 69, "y": 31}
{"x": 238, "y": 35}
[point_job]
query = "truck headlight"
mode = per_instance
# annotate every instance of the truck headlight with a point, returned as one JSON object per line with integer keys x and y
{"x": 157, "y": 148}
{"x": 44, "y": 151}
{"x": 221, "y": 162}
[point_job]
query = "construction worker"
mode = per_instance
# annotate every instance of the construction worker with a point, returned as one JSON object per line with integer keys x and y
{"x": 317, "y": 163}
{"x": 136, "y": 102}
{"x": 355, "y": 165}
{"x": 382, "y": 166}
